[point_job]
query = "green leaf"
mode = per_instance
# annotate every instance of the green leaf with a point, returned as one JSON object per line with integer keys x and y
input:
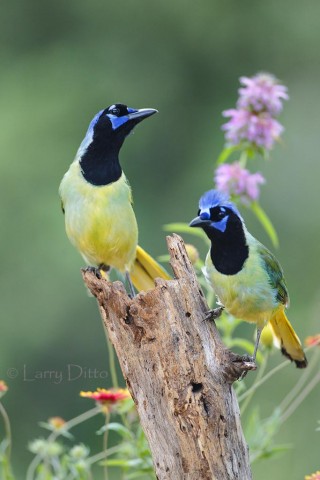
{"x": 120, "y": 429}
{"x": 145, "y": 453}
{"x": 260, "y": 435}
{"x": 163, "y": 258}
{"x": 251, "y": 152}
{"x": 226, "y": 152}
{"x": 61, "y": 430}
{"x": 141, "y": 441}
{"x": 5, "y": 469}
{"x": 273, "y": 451}
{"x": 125, "y": 406}
{"x": 124, "y": 463}
{"x": 114, "y": 462}
{"x": 265, "y": 222}
{"x": 102, "y": 430}
{"x": 252, "y": 423}
{"x": 142, "y": 473}
{"x": 184, "y": 228}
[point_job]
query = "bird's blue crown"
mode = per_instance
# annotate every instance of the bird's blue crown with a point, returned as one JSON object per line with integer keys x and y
{"x": 214, "y": 198}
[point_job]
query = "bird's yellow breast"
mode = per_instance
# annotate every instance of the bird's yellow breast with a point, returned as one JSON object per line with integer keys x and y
{"x": 100, "y": 221}
{"x": 248, "y": 294}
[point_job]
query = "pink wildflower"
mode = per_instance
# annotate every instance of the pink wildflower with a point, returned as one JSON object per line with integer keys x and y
{"x": 262, "y": 93}
{"x": 259, "y": 129}
{"x": 236, "y": 180}
{"x": 260, "y": 100}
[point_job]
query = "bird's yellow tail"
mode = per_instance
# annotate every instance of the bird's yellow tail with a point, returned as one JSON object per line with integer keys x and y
{"x": 144, "y": 271}
{"x": 288, "y": 339}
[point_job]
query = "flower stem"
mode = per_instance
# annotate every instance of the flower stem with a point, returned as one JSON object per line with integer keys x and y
{"x": 265, "y": 222}
{"x": 257, "y": 379}
{"x": 264, "y": 379}
{"x": 295, "y": 404}
{"x": 243, "y": 158}
{"x": 276, "y": 369}
{"x": 112, "y": 366}
{"x": 113, "y": 371}
{"x": 75, "y": 421}
{"x": 67, "y": 426}
{"x": 7, "y": 429}
{"x": 104, "y": 454}
{"x": 112, "y": 363}
{"x": 33, "y": 466}
{"x": 105, "y": 445}
{"x": 298, "y": 386}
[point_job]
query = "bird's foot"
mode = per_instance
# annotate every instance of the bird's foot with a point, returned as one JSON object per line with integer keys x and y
{"x": 214, "y": 314}
{"x": 245, "y": 362}
{"x": 94, "y": 270}
{"x": 247, "y": 358}
{"x": 239, "y": 366}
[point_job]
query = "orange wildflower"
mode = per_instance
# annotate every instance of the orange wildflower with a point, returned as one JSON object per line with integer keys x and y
{"x": 56, "y": 422}
{"x": 312, "y": 340}
{"x": 3, "y": 388}
{"x": 107, "y": 398}
{"x": 313, "y": 476}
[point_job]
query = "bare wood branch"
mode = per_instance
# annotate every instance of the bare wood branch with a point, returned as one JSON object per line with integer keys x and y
{"x": 179, "y": 374}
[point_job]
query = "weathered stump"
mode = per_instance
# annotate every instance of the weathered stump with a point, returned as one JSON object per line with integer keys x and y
{"x": 179, "y": 373}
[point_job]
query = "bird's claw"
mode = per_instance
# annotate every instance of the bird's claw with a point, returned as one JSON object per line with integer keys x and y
{"x": 247, "y": 358}
{"x": 95, "y": 271}
{"x": 246, "y": 363}
{"x": 214, "y": 314}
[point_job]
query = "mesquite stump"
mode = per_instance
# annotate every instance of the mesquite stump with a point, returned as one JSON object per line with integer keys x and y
{"x": 179, "y": 373}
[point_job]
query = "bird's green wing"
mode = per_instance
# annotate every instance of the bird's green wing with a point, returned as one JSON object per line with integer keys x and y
{"x": 275, "y": 274}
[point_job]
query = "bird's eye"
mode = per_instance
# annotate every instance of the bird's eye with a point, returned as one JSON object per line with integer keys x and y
{"x": 222, "y": 212}
{"x": 217, "y": 213}
{"x": 115, "y": 111}
{"x": 199, "y": 211}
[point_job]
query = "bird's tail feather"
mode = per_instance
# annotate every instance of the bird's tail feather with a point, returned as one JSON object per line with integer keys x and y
{"x": 287, "y": 338}
{"x": 144, "y": 271}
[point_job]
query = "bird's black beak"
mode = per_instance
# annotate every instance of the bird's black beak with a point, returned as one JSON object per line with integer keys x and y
{"x": 141, "y": 114}
{"x": 133, "y": 118}
{"x": 199, "y": 222}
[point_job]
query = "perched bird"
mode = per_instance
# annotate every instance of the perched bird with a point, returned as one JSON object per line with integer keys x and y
{"x": 247, "y": 279}
{"x": 97, "y": 202}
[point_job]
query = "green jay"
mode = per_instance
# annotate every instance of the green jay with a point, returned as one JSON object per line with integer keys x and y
{"x": 246, "y": 277}
{"x": 97, "y": 201}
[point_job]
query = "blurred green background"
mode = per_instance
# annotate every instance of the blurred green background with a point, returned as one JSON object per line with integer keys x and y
{"x": 61, "y": 62}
